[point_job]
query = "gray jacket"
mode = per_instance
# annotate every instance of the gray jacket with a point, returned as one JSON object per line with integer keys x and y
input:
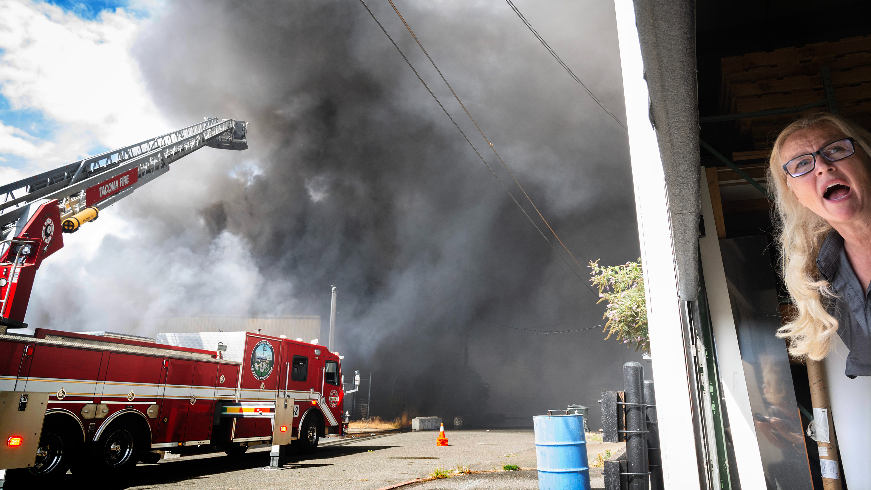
{"x": 852, "y": 308}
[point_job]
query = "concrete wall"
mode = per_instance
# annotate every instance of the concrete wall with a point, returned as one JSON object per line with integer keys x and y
{"x": 306, "y": 328}
{"x": 426, "y": 423}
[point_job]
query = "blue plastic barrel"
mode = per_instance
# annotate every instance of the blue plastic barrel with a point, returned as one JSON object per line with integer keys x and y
{"x": 561, "y": 451}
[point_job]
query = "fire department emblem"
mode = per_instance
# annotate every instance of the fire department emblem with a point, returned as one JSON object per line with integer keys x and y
{"x": 47, "y": 231}
{"x": 262, "y": 360}
{"x": 334, "y": 398}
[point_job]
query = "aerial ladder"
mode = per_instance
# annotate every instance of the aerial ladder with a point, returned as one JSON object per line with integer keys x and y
{"x": 36, "y": 211}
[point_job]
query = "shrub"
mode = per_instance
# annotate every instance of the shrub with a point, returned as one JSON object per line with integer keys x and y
{"x": 622, "y": 286}
{"x": 510, "y": 467}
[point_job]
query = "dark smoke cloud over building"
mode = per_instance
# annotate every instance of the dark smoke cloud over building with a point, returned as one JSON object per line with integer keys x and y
{"x": 355, "y": 178}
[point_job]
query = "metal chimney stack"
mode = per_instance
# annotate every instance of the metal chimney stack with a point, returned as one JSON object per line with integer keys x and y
{"x": 332, "y": 317}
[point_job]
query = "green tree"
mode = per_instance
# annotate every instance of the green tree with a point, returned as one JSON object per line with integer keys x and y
{"x": 622, "y": 286}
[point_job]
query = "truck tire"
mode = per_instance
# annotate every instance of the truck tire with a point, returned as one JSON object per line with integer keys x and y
{"x": 308, "y": 435}
{"x": 118, "y": 448}
{"x": 57, "y": 448}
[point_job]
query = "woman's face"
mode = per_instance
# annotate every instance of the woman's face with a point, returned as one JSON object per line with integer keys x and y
{"x": 839, "y": 192}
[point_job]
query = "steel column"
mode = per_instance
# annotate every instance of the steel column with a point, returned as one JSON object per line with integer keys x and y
{"x": 654, "y": 456}
{"x": 636, "y": 426}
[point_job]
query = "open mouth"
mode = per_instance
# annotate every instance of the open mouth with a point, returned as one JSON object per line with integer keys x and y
{"x": 836, "y": 192}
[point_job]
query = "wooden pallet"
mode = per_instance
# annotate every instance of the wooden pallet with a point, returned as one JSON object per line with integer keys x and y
{"x": 791, "y": 77}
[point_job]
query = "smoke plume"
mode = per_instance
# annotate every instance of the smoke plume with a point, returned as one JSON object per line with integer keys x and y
{"x": 355, "y": 178}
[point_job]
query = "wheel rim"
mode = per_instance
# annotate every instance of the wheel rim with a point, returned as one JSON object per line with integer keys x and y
{"x": 311, "y": 434}
{"x": 49, "y": 454}
{"x": 118, "y": 448}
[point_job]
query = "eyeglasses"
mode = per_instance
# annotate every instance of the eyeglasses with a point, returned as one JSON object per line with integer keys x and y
{"x": 834, "y": 151}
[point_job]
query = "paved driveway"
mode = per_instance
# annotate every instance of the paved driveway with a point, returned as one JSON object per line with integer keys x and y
{"x": 368, "y": 463}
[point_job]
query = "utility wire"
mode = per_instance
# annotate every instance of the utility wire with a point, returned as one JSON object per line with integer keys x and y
{"x": 545, "y": 332}
{"x": 493, "y": 148}
{"x": 560, "y": 61}
{"x": 481, "y": 157}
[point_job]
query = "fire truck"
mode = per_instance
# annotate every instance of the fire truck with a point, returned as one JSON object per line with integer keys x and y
{"x": 106, "y": 401}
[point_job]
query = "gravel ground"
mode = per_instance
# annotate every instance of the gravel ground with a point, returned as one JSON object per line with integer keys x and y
{"x": 368, "y": 463}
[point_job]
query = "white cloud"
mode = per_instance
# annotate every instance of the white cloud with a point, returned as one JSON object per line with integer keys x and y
{"x": 15, "y": 141}
{"x": 79, "y": 74}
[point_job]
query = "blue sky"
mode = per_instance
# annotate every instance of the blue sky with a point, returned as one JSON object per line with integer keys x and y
{"x": 30, "y": 120}
{"x": 90, "y": 10}
{"x": 69, "y": 84}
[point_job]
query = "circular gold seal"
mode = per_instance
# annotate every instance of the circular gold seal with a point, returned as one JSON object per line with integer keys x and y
{"x": 131, "y": 396}
{"x": 221, "y": 379}
{"x": 61, "y": 394}
{"x": 193, "y": 399}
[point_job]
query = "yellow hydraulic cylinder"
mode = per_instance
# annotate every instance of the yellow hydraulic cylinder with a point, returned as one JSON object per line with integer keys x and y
{"x": 73, "y": 223}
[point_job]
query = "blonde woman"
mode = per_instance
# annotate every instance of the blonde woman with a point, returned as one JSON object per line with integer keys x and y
{"x": 820, "y": 170}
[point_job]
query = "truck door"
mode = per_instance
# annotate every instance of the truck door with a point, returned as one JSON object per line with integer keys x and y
{"x": 198, "y": 427}
{"x": 333, "y": 393}
{"x": 188, "y": 404}
{"x": 296, "y": 363}
{"x": 176, "y": 399}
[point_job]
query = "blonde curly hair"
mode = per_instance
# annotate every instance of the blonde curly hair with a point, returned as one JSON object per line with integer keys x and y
{"x": 800, "y": 234}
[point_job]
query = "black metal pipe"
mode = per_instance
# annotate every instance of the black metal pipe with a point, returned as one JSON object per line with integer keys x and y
{"x": 654, "y": 456}
{"x": 636, "y": 426}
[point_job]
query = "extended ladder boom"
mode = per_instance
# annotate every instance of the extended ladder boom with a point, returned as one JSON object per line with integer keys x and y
{"x": 73, "y": 194}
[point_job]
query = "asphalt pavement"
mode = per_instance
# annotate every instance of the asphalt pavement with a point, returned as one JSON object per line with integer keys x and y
{"x": 474, "y": 459}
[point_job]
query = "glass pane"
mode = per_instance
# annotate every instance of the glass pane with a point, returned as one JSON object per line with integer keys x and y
{"x": 299, "y": 370}
{"x": 332, "y": 373}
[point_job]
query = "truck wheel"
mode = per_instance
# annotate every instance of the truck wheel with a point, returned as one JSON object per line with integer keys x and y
{"x": 55, "y": 452}
{"x": 308, "y": 436}
{"x": 117, "y": 449}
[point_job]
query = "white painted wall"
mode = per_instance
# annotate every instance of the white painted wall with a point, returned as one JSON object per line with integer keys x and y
{"x": 674, "y": 407}
{"x": 731, "y": 368}
{"x": 851, "y": 410}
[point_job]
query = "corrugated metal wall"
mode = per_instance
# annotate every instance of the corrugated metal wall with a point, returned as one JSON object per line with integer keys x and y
{"x": 306, "y": 328}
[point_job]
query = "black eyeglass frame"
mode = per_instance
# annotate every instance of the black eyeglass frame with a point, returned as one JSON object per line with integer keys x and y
{"x": 819, "y": 152}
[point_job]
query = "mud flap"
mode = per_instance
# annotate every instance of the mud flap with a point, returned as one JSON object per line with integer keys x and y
{"x": 21, "y": 417}
{"x": 282, "y": 429}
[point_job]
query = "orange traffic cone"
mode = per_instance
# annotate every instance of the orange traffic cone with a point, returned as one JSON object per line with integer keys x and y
{"x": 442, "y": 440}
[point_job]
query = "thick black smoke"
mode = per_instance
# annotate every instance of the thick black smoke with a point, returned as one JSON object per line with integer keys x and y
{"x": 355, "y": 178}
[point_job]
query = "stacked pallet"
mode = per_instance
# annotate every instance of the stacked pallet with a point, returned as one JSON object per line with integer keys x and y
{"x": 791, "y": 77}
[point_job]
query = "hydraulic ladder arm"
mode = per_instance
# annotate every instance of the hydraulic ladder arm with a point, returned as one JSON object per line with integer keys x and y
{"x": 69, "y": 196}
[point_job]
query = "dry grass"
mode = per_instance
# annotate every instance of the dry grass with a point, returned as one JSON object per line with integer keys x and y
{"x": 599, "y": 460}
{"x": 439, "y": 473}
{"x": 375, "y": 423}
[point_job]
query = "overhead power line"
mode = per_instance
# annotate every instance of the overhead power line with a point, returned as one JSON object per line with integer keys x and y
{"x": 560, "y": 61}
{"x": 545, "y": 332}
{"x": 410, "y": 65}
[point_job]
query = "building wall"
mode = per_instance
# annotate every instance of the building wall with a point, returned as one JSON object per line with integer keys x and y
{"x": 307, "y": 328}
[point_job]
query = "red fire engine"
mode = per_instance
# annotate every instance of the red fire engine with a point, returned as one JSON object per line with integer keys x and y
{"x": 107, "y": 401}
